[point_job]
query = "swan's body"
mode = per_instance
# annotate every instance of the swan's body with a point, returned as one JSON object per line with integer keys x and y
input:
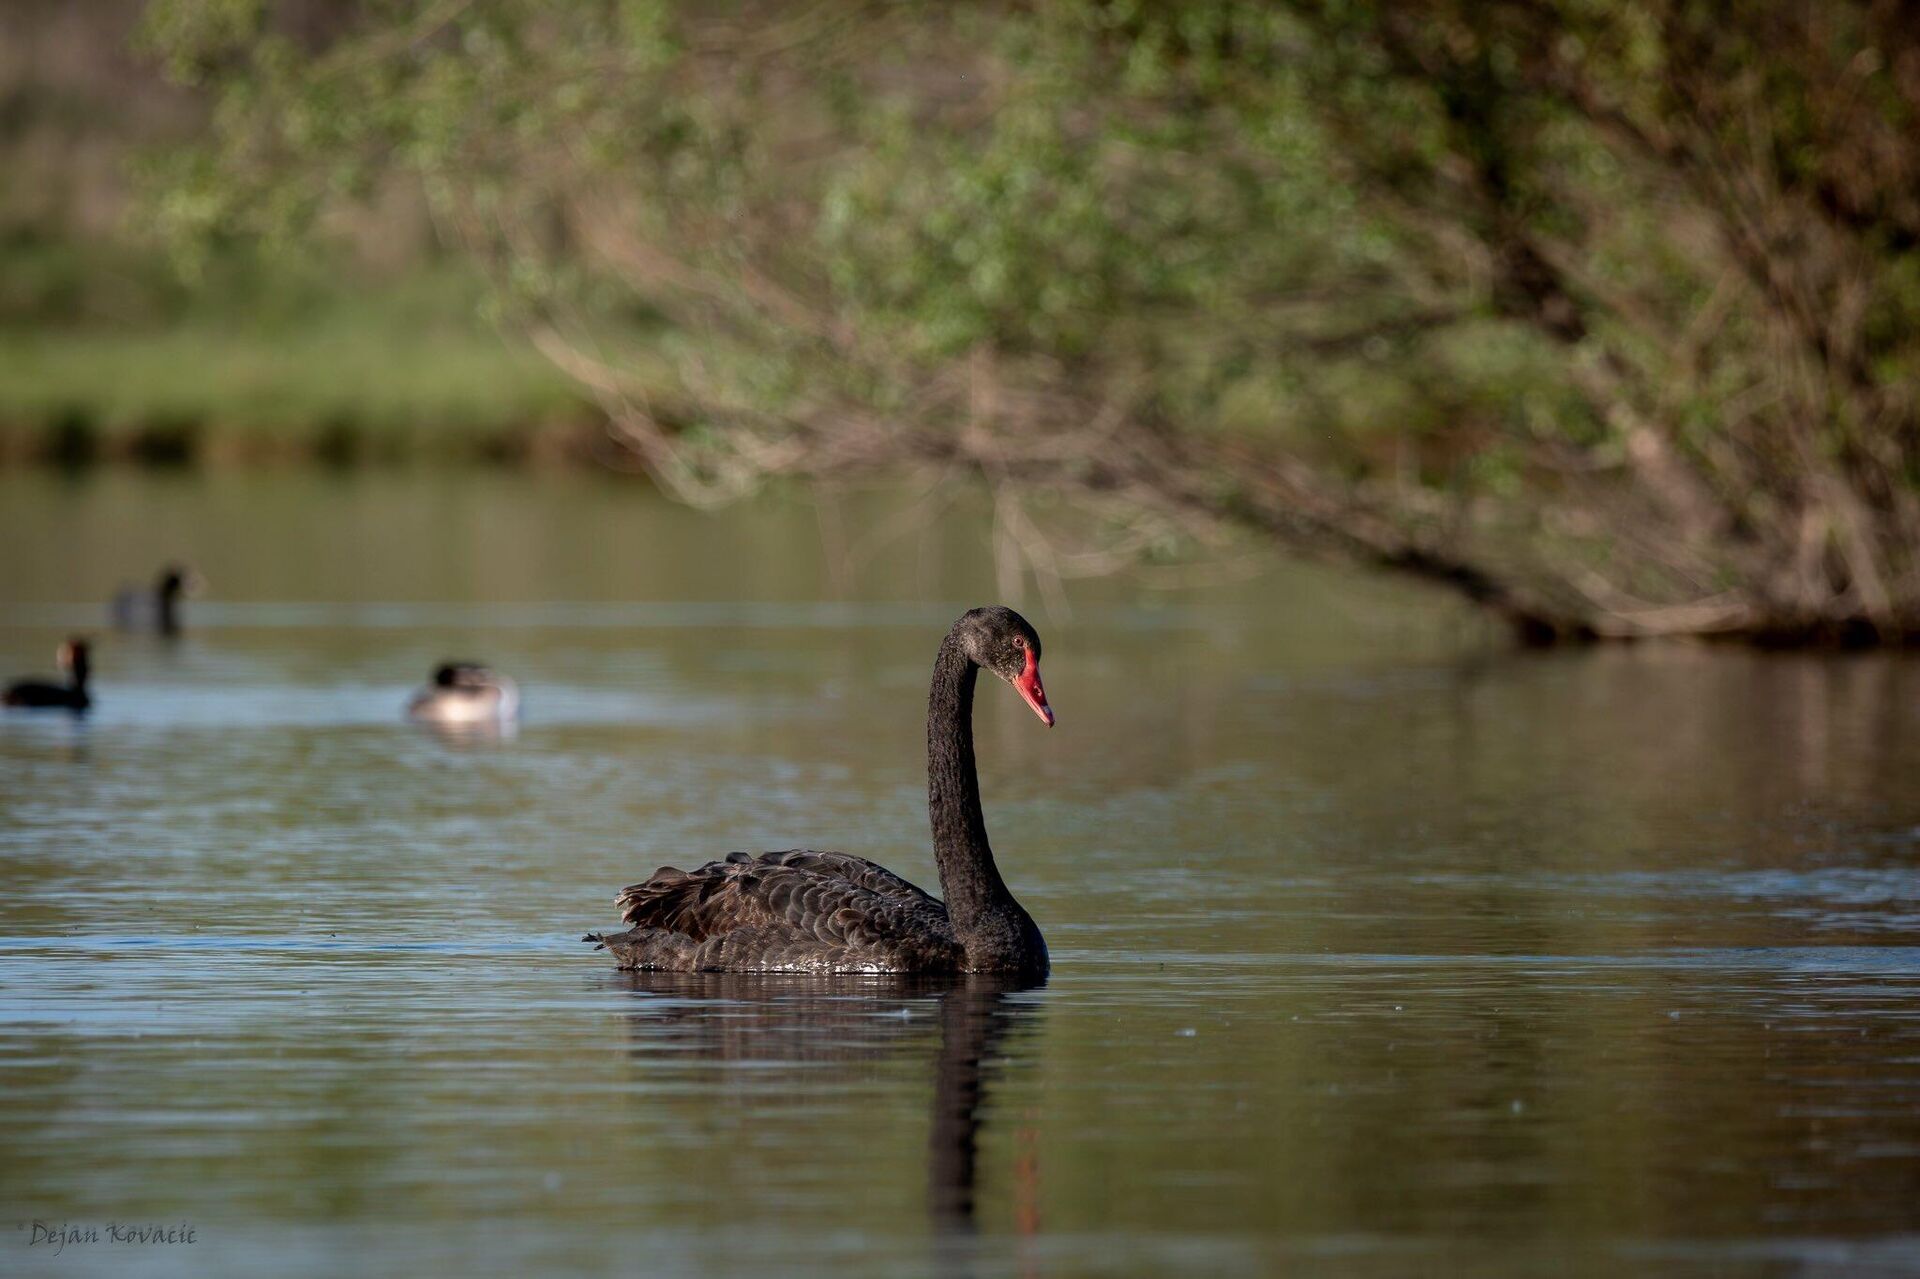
{"x": 34, "y": 694}
{"x": 462, "y": 694}
{"x": 805, "y": 911}
{"x": 798, "y": 911}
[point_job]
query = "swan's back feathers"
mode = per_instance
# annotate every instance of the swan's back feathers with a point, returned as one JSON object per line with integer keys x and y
{"x": 855, "y": 870}
{"x": 798, "y": 910}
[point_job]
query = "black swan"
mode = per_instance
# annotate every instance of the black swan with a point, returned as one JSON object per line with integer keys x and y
{"x": 33, "y": 694}
{"x": 465, "y": 693}
{"x": 158, "y": 609}
{"x": 805, "y": 911}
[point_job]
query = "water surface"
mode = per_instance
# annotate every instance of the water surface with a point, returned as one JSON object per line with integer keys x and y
{"x": 1378, "y": 949}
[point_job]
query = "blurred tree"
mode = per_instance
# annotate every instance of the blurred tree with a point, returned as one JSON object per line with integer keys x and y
{"x": 1604, "y": 314}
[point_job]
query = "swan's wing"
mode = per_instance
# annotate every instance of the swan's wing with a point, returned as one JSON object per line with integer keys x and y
{"x": 829, "y": 898}
{"x": 857, "y": 870}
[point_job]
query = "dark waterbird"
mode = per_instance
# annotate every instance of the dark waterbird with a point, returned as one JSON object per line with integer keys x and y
{"x": 157, "y": 609}
{"x": 806, "y": 911}
{"x": 34, "y": 694}
{"x": 465, "y": 694}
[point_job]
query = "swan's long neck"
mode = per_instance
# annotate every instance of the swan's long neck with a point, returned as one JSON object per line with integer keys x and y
{"x": 969, "y": 880}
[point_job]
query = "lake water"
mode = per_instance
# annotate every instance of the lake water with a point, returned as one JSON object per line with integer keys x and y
{"x": 1379, "y": 949}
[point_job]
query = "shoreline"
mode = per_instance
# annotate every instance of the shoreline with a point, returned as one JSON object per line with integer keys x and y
{"x": 74, "y": 442}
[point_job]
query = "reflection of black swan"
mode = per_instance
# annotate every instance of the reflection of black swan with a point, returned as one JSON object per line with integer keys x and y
{"x": 802, "y": 911}
{"x": 762, "y": 1018}
{"x": 33, "y": 694}
{"x": 973, "y": 1021}
{"x": 463, "y": 694}
{"x": 158, "y": 610}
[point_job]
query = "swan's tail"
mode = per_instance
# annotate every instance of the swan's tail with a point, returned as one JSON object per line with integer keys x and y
{"x": 655, "y": 948}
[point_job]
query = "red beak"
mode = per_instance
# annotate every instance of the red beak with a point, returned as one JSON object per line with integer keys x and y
{"x": 1028, "y": 682}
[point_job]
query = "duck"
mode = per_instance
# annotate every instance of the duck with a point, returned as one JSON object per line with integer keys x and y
{"x": 465, "y": 693}
{"x": 808, "y": 911}
{"x": 46, "y": 695}
{"x": 157, "y": 609}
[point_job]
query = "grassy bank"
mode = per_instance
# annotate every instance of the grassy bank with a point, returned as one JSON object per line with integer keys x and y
{"x": 106, "y": 355}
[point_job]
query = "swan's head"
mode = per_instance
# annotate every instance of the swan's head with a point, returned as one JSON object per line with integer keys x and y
{"x": 1003, "y": 642}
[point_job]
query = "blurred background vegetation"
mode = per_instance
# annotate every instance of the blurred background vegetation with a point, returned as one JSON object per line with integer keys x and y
{"x": 1602, "y": 314}
{"x": 115, "y": 346}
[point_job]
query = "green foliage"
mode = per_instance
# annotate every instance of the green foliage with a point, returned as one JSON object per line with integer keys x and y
{"x": 268, "y": 350}
{"x": 1116, "y": 187}
{"x": 1470, "y": 248}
